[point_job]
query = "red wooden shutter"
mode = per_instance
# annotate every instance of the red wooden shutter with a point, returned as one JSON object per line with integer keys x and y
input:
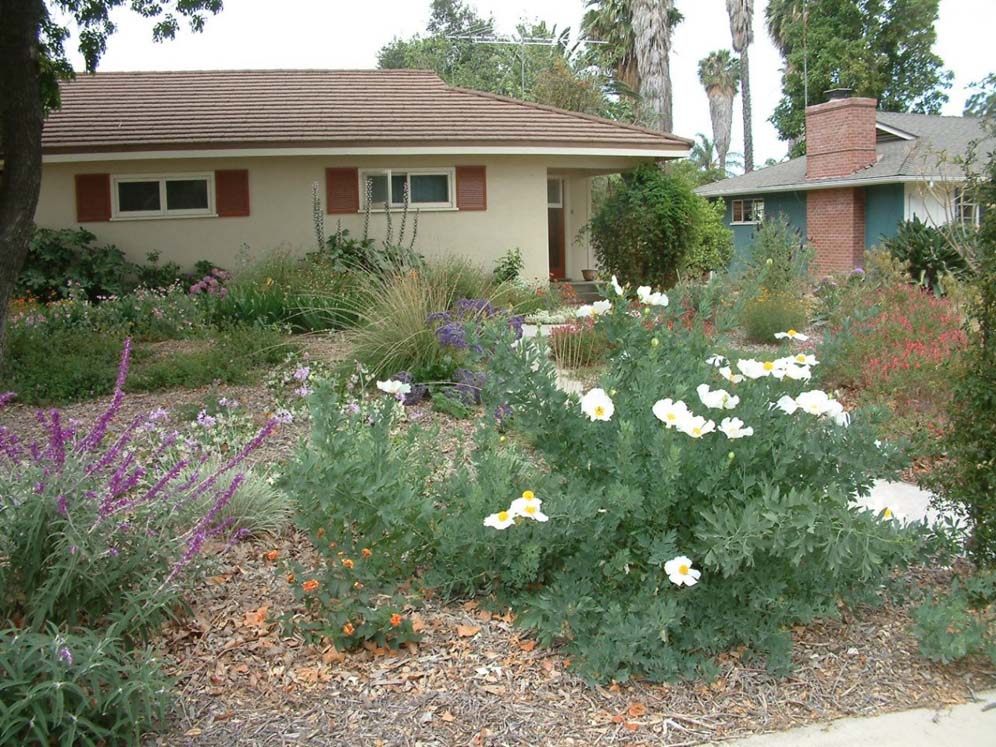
{"x": 342, "y": 190}
{"x": 471, "y": 188}
{"x": 93, "y": 198}
{"x": 231, "y": 193}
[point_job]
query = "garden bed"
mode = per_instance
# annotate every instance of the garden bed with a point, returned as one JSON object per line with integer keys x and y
{"x": 475, "y": 679}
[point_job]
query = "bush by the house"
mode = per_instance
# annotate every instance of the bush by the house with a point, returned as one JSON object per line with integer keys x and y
{"x": 643, "y": 229}
{"x": 711, "y": 246}
{"x": 59, "y": 260}
{"x": 508, "y": 266}
{"x": 966, "y": 482}
{"x": 930, "y": 252}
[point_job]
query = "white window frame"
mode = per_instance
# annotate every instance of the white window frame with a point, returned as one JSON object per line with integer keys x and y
{"x": 961, "y": 203}
{"x": 449, "y": 173}
{"x": 755, "y": 216}
{"x": 164, "y": 211}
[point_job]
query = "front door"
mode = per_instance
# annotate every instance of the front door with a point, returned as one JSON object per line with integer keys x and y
{"x": 555, "y": 222}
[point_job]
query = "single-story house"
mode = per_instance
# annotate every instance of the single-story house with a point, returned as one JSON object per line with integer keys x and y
{"x": 201, "y": 164}
{"x": 865, "y": 172}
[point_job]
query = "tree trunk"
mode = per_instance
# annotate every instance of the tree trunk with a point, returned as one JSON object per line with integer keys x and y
{"x": 721, "y": 114}
{"x": 652, "y": 39}
{"x": 748, "y": 127}
{"x": 21, "y": 122}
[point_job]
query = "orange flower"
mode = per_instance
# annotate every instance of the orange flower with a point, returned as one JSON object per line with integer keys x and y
{"x": 367, "y": 552}
{"x": 310, "y": 585}
{"x": 290, "y": 578}
{"x": 321, "y": 532}
{"x": 347, "y": 563}
{"x": 395, "y": 619}
{"x": 348, "y": 629}
{"x": 357, "y": 586}
{"x": 272, "y": 555}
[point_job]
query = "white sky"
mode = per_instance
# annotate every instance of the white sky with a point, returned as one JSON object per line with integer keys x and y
{"x": 337, "y": 34}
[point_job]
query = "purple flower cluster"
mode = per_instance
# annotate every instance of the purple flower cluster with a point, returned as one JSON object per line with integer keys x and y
{"x": 468, "y": 385}
{"x": 452, "y": 334}
{"x": 474, "y": 307}
{"x": 212, "y": 285}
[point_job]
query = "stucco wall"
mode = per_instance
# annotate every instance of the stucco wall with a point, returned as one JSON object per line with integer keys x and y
{"x": 281, "y": 210}
{"x": 931, "y": 203}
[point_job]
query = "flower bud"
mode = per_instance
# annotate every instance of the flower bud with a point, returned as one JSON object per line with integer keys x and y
{"x": 731, "y": 456}
{"x": 654, "y": 342}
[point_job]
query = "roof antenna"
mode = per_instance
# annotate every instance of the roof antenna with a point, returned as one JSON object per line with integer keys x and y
{"x": 805, "y": 51}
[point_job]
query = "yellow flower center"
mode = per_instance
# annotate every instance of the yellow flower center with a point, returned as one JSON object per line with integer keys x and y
{"x": 683, "y": 570}
{"x": 792, "y": 333}
{"x": 888, "y": 513}
{"x": 528, "y": 495}
{"x": 671, "y": 416}
{"x": 530, "y": 510}
{"x": 503, "y": 516}
{"x": 697, "y": 431}
{"x": 599, "y": 411}
{"x": 801, "y": 358}
{"x": 769, "y": 366}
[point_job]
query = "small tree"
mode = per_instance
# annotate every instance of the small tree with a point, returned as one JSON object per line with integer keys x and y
{"x": 642, "y": 230}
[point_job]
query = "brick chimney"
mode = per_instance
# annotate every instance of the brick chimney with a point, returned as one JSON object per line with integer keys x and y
{"x": 840, "y": 135}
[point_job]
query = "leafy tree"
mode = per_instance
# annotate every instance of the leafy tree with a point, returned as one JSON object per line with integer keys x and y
{"x": 982, "y": 103}
{"x": 32, "y": 60}
{"x": 741, "y": 14}
{"x": 878, "y": 48}
{"x": 642, "y": 231}
{"x": 551, "y": 74}
{"x": 719, "y": 73}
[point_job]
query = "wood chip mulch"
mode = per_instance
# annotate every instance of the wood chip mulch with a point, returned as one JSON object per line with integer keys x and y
{"x": 477, "y": 679}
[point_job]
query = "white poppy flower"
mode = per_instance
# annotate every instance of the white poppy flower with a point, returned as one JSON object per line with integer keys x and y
{"x": 752, "y": 369}
{"x": 696, "y": 426}
{"x": 802, "y": 359}
{"x": 500, "y": 520}
{"x": 815, "y": 402}
{"x": 717, "y": 399}
{"x": 731, "y": 377}
{"x": 716, "y": 360}
{"x": 791, "y": 335}
{"x": 584, "y": 311}
{"x": 528, "y": 508}
{"x": 797, "y": 373}
{"x": 836, "y": 411}
{"x": 616, "y": 287}
{"x": 597, "y": 405}
{"x": 651, "y": 298}
{"x": 734, "y": 428}
{"x": 391, "y": 386}
{"x": 671, "y": 413}
{"x": 787, "y": 404}
{"x": 679, "y": 571}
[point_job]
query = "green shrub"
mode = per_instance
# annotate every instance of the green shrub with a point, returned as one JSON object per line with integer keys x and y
{"x": 508, "y": 266}
{"x": 711, "y": 245}
{"x": 768, "y": 519}
{"x": 231, "y": 357}
{"x": 778, "y": 259}
{"x": 155, "y": 275}
{"x": 768, "y": 314}
{"x": 966, "y": 482}
{"x": 929, "y": 252}
{"x": 577, "y": 345}
{"x": 57, "y": 260}
{"x": 642, "y": 230}
{"x": 58, "y": 366}
{"x": 74, "y": 689}
{"x": 961, "y": 623}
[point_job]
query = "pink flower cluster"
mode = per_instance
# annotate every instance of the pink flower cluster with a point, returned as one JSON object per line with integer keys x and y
{"x": 212, "y": 285}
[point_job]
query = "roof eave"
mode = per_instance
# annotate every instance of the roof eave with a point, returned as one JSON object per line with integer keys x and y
{"x": 839, "y": 183}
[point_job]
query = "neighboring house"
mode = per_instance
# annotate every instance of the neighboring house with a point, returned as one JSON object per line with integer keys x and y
{"x": 865, "y": 172}
{"x": 198, "y": 164}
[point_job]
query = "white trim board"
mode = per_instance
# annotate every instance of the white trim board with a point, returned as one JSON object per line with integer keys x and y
{"x": 431, "y": 150}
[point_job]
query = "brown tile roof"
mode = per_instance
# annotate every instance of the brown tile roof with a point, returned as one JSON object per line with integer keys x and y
{"x": 313, "y": 108}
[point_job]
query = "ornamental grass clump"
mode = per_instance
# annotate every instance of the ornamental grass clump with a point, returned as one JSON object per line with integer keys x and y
{"x": 686, "y": 509}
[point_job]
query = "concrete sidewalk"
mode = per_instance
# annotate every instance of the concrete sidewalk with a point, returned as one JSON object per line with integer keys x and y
{"x": 967, "y": 725}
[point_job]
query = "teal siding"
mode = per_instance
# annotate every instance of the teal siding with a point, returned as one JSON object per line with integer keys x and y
{"x": 792, "y": 205}
{"x": 883, "y": 212}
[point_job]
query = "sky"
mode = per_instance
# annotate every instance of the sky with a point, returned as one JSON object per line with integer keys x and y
{"x": 259, "y": 34}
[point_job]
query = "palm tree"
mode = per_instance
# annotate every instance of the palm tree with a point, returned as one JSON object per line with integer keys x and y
{"x": 609, "y": 21}
{"x": 780, "y": 17}
{"x": 652, "y": 27}
{"x": 741, "y": 14}
{"x": 719, "y": 73}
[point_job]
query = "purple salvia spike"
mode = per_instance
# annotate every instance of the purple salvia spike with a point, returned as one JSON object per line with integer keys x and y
{"x": 200, "y": 532}
{"x": 112, "y": 453}
{"x": 96, "y": 434}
